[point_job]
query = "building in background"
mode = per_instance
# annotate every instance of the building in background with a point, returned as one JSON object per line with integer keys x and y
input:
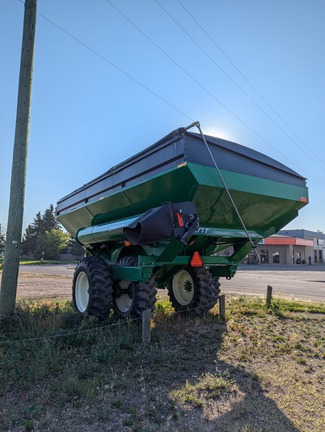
{"x": 317, "y": 237}
{"x": 291, "y": 247}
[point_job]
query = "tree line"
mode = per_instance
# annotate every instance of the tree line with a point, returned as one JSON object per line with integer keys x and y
{"x": 2, "y": 241}
{"x": 44, "y": 237}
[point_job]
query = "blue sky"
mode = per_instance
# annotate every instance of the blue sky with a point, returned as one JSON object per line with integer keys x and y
{"x": 111, "y": 77}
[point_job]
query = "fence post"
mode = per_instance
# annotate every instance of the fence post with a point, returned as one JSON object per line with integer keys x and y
{"x": 146, "y": 332}
{"x": 222, "y": 306}
{"x": 268, "y": 296}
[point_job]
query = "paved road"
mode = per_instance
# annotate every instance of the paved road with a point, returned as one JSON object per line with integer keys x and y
{"x": 300, "y": 282}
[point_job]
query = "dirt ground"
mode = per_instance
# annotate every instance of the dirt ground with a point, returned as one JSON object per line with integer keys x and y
{"x": 33, "y": 285}
{"x": 301, "y": 283}
{"x": 305, "y": 283}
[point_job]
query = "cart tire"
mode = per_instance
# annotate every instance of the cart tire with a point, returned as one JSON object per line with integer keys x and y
{"x": 92, "y": 288}
{"x": 131, "y": 298}
{"x": 194, "y": 290}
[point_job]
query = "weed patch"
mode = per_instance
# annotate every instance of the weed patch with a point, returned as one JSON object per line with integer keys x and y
{"x": 262, "y": 369}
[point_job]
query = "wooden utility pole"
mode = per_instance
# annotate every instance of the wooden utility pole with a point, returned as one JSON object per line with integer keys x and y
{"x": 19, "y": 164}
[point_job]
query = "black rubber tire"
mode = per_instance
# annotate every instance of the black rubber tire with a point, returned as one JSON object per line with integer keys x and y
{"x": 143, "y": 294}
{"x": 92, "y": 288}
{"x": 194, "y": 290}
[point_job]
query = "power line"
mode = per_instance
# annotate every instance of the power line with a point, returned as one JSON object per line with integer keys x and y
{"x": 314, "y": 197}
{"x": 115, "y": 66}
{"x": 234, "y": 82}
{"x": 168, "y": 56}
{"x": 156, "y": 94}
{"x": 252, "y": 86}
{"x": 203, "y": 87}
{"x": 197, "y": 82}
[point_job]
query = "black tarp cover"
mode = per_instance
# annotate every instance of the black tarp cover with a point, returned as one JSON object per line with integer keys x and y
{"x": 170, "y": 221}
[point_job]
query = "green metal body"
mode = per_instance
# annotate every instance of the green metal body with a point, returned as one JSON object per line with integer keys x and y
{"x": 264, "y": 205}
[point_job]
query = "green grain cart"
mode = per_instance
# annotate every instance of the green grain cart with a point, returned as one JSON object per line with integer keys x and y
{"x": 178, "y": 215}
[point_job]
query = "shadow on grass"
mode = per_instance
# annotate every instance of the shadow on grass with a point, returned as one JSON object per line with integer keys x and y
{"x": 211, "y": 395}
{"x": 107, "y": 381}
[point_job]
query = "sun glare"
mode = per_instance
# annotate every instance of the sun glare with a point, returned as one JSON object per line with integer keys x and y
{"x": 218, "y": 132}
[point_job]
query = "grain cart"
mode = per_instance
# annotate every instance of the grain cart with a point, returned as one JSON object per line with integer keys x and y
{"x": 165, "y": 218}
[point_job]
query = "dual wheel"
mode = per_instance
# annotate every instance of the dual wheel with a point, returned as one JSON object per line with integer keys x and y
{"x": 131, "y": 298}
{"x": 194, "y": 290}
{"x": 94, "y": 292}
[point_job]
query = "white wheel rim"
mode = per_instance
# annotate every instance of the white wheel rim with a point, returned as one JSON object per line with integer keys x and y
{"x": 82, "y": 291}
{"x": 124, "y": 301}
{"x": 183, "y": 287}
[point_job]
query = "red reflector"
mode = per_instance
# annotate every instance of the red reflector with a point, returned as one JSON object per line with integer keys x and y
{"x": 196, "y": 260}
{"x": 180, "y": 220}
{"x": 303, "y": 199}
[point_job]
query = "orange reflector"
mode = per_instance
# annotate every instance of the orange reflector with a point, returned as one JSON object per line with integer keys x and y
{"x": 180, "y": 220}
{"x": 196, "y": 260}
{"x": 127, "y": 243}
{"x": 303, "y": 199}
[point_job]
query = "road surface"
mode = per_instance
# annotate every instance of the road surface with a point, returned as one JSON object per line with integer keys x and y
{"x": 301, "y": 282}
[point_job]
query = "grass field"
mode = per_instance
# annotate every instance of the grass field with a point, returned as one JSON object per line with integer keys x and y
{"x": 260, "y": 370}
{"x": 38, "y": 262}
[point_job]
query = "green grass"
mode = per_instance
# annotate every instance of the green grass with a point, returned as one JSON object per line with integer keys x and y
{"x": 43, "y": 262}
{"x": 40, "y": 262}
{"x": 261, "y": 370}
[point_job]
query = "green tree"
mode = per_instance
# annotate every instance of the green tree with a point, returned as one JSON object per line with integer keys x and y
{"x": 50, "y": 243}
{"x": 35, "y": 237}
{"x": 2, "y": 240}
{"x": 73, "y": 247}
{"x": 28, "y": 243}
{"x": 76, "y": 248}
{"x": 49, "y": 222}
{"x": 31, "y": 234}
